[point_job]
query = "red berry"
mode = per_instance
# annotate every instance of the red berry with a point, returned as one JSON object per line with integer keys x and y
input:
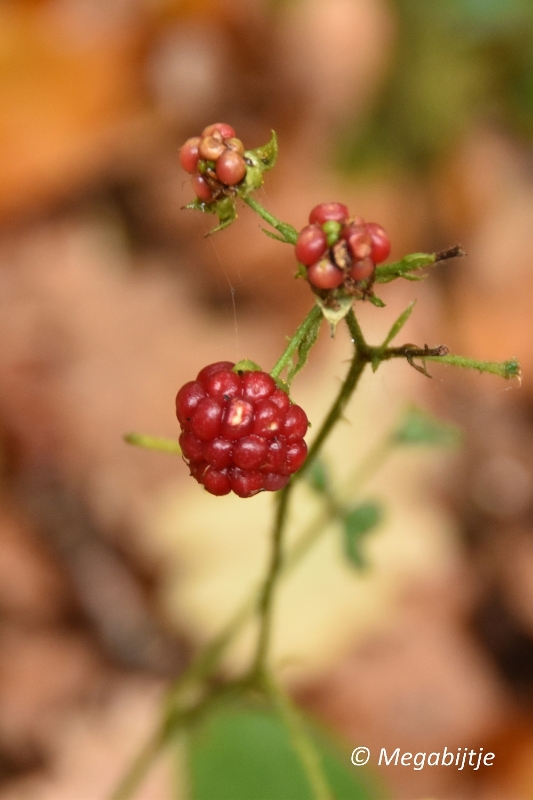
{"x": 230, "y": 168}
{"x": 250, "y": 452}
{"x": 361, "y": 270}
{"x": 281, "y": 399}
{"x": 329, "y": 211}
{"x": 295, "y": 424}
{"x": 296, "y": 455}
{"x": 206, "y": 419}
{"x": 325, "y": 275}
{"x": 257, "y": 386}
{"x": 380, "y": 242}
{"x": 268, "y": 419}
{"x": 226, "y": 130}
{"x": 202, "y": 189}
{"x": 245, "y": 483}
{"x": 189, "y": 154}
{"x": 212, "y": 369}
{"x": 191, "y": 447}
{"x": 217, "y": 481}
{"x": 240, "y": 432}
{"x": 276, "y": 456}
{"x": 187, "y": 399}
{"x": 272, "y": 482}
{"x": 238, "y": 418}
{"x": 224, "y": 384}
{"x": 359, "y": 241}
{"x": 217, "y": 452}
{"x": 310, "y": 245}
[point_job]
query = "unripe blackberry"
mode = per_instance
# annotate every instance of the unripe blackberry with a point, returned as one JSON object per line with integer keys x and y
{"x": 240, "y": 432}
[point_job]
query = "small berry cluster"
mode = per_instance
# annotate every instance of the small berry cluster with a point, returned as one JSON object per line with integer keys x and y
{"x": 240, "y": 432}
{"x": 338, "y": 250}
{"x": 215, "y": 160}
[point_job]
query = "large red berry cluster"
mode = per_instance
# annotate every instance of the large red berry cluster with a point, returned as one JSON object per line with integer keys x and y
{"x": 337, "y": 249}
{"x": 240, "y": 431}
{"x": 215, "y": 160}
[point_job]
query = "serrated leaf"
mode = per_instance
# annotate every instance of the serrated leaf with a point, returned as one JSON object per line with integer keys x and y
{"x": 418, "y": 427}
{"x": 357, "y": 523}
{"x": 335, "y": 315}
{"x": 404, "y": 268}
{"x": 240, "y": 753}
{"x": 304, "y": 348}
{"x": 398, "y": 324}
{"x": 317, "y": 476}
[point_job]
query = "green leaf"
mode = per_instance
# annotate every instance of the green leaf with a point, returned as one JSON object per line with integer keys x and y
{"x": 398, "y": 325}
{"x": 418, "y": 427}
{"x": 404, "y": 268}
{"x": 304, "y": 348}
{"x": 318, "y": 477}
{"x": 240, "y": 753}
{"x": 376, "y": 301}
{"x": 156, "y": 443}
{"x": 357, "y": 523}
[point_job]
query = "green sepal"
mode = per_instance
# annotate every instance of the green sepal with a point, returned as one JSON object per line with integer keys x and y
{"x": 405, "y": 268}
{"x": 225, "y": 208}
{"x": 301, "y": 272}
{"x": 258, "y": 161}
{"x": 304, "y": 348}
{"x": 245, "y": 365}
{"x": 376, "y": 301}
{"x": 357, "y": 523}
{"x": 335, "y": 315}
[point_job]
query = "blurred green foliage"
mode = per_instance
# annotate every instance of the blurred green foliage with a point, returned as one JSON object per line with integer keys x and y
{"x": 456, "y": 62}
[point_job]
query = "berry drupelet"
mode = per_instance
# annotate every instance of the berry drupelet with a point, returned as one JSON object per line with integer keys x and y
{"x": 215, "y": 159}
{"x": 339, "y": 250}
{"x": 240, "y": 431}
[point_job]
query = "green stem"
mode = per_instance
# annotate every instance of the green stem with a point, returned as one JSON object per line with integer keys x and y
{"x": 153, "y": 443}
{"x": 314, "y": 316}
{"x": 267, "y": 592}
{"x": 301, "y": 741}
{"x": 288, "y": 233}
{"x": 505, "y": 369}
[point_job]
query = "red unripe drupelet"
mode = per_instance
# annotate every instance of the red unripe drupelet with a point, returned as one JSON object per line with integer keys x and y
{"x": 189, "y": 154}
{"x": 324, "y": 212}
{"x": 201, "y": 188}
{"x": 222, "y": 127}
{"x": 240, "y": 432}
{"x": 310, "y": 245}
{"x": 381, "y": 245}
{"x": 361, "y": 270}
{"x": 230, "y": 168}
{"x": 324, "y": 274}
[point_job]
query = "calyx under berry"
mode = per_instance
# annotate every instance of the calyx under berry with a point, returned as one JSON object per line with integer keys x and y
{"x": 240, "y": 431}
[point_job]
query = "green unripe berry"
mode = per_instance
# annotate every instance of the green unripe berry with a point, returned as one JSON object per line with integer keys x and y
{"x": 332, "y": 229}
